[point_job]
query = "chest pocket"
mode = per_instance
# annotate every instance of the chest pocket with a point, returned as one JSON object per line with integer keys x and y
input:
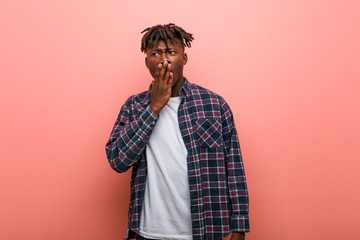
{"x": 208, "y": 132}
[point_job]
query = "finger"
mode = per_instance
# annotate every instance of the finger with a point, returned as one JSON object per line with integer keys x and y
{"x": 157, "y": 72}
{"x": 167, "y": 74}
{"x": 162, "y": 71}
{"x": 171, "y": 78}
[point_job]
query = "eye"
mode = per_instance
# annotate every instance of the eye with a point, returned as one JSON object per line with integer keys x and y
{"x": 172, "y": 52}
{"x": 155, "y": 54}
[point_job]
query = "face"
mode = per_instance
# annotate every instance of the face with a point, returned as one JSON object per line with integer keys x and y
{"x": 174, "y": 54}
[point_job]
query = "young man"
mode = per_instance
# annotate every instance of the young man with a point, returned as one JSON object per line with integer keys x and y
{"x": 188, "y": 179}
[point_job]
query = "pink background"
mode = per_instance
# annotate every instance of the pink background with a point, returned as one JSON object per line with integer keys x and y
{"x": 288, "y": 69}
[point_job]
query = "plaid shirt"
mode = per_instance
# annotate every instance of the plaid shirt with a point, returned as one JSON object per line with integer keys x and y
{"x": 217, "y": 185}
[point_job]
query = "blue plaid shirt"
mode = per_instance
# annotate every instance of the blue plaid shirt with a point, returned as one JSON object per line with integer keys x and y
{"x": 217, "y": 185}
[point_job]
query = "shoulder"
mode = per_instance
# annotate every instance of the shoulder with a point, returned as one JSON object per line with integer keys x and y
{"x": 205, "y": 102}
{"x": 136, "y": 99}
{"x": 134, "y": 105}
{"x": 202, "y": 93}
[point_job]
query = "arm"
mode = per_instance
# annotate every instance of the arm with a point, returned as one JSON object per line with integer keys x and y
{"x": 236, "y": 176}
{"x": 129, "y": 137}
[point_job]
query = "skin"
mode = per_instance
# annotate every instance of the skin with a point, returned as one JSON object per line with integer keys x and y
{"x": 166, "y": 65}
{"x": 237, "y": 236}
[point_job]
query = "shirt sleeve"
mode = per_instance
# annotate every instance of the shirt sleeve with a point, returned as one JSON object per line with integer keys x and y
{"x": 236, "y": 175}
{"x": 129, "y": 136}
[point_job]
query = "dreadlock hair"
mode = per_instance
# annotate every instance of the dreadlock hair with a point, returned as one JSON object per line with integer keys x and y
{"x": 165, "y": 32}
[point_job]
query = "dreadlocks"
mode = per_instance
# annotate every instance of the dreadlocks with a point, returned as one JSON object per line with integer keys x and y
{"x": 165, "y": 32}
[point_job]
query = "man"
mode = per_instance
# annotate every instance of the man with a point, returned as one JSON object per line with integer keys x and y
{"x": 188, "y": 180}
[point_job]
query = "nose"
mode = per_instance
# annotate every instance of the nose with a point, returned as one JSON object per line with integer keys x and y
{"x": 164, "y": 57}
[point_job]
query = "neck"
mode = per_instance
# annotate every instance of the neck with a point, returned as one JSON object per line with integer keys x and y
{"x": 176, "y": 88}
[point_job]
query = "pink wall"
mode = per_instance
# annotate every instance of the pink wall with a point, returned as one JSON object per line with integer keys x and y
{"x": 289, "y": 70}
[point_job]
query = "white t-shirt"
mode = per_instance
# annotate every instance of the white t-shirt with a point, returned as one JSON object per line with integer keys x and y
{"x": 166, "y": 209}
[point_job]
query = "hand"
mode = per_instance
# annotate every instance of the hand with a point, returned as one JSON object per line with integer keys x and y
{"x": 161, "y": 87}
{"x": 237, "y": 236}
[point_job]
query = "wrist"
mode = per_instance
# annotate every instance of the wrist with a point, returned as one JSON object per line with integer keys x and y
{"x": 154, "y": 109}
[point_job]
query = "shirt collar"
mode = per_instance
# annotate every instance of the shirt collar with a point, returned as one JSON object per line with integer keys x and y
{"x": 184, "y": 91}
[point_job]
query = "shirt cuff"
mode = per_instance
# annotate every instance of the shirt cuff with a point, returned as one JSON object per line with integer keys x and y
{"x": 240, "y": 223}
{"x": 145, "y": 123}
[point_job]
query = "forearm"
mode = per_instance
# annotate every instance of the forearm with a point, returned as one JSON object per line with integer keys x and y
{"x": 128, "y": 140}
{"x": 238, "y": 194}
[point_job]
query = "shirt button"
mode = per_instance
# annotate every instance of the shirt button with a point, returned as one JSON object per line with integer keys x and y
{"x": 139, "y": 139}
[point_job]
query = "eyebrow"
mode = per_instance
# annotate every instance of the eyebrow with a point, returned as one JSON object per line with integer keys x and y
{"x": 161, "y": 49}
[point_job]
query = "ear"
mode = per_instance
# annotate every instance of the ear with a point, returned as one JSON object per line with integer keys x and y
{"x": 185, "y": 58}
{"x": 146, "y": 62}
